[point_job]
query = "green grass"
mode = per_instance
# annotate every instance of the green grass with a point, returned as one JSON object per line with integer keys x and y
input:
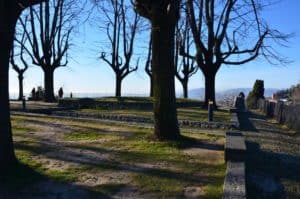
{"x": 20, "y": 128}
{"x": 86, "y": 136}
{"x": 171, "y": 169}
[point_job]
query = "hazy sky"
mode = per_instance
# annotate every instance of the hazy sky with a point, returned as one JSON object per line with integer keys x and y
{"x": 88, "y": 74}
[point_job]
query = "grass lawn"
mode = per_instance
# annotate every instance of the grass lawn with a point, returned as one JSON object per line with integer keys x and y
{"x": 115, "y": 160}
{"x": 195, "y": 113}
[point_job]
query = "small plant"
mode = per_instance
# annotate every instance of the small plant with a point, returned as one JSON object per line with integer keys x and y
{"x": 256, "y": 94}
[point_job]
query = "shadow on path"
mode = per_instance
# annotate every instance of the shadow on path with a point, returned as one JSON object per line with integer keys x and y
{"x": 272, "y": 160}
{"x": 245, "y": 122}
{"x": 22, "y": 182}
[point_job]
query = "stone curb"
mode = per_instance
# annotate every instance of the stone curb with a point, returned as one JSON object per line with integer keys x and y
{"x": 235, "y": 179}
{"x": 234, "y": 118}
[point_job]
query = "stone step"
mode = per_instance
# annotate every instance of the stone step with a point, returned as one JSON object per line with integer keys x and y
{"x": 235, "y": 147}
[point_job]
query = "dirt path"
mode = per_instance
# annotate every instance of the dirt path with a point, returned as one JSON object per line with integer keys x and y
{"x": 273, "y": 159}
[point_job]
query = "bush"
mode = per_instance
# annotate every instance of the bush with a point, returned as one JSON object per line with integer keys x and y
{"x": 256, "y": 94}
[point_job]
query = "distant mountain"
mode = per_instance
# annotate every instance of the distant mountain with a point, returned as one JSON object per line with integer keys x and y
{"x": 199, "y": 93}
{"x": 236, "y": 91}
{"x": 196, "y": 93}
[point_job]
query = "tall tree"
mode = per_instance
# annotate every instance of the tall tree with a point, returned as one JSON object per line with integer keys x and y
{"x": 229, "y": 32}
{"x": 163, "y": 16}
{"x": 185, "y": 65}
{"x": 148, "y": 68}
{"x": 19, "y": 70}
{"x": 10, "y": 10}
{"x": 48, "y": 33}
{"x": 121, "y": 29}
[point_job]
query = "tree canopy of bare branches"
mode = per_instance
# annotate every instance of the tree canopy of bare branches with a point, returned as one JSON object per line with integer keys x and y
{"x": 122, "y": 24}
{"x": 184, "y": 65}
{"x": 230, "y": 32}
{"x": 47, "y": 28}
{"x": 17, "y": 67}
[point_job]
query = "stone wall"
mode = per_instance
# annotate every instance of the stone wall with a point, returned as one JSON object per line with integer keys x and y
{"x": 122, "y": 104}
{"x": 139, "y": 119}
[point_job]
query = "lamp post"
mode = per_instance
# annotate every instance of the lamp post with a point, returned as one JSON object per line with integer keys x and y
{"x": 24, "y": 103}
{"x": 210, "y": 111}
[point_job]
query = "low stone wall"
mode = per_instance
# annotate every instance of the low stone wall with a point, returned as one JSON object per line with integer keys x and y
{"x": 235, "y": 179}
{"x": 234, "y": 118}
{"x": 129, "y": 118}
{"x": 122, "y": 104}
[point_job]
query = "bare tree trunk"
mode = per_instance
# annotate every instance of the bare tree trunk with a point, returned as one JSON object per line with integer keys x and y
{"x": 21, "y": 93}
{"x": 118, "y": 86}
{"x": 151, "y": 86}
{"x": 49, "y": 85}
{"x": 165, "y": 114}
{"x": 210, "y": 88}
{"x": 185, "y": 89}
{"x": 7, "y": 28}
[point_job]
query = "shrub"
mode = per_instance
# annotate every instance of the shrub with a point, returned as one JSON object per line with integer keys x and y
{"x": 256, "y": 94}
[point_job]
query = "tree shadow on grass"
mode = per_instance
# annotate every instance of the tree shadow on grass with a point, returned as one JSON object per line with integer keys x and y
{"x": 137, "y": 167}
{"x": 22, "y": 182}
{"x": 186, "y": 142}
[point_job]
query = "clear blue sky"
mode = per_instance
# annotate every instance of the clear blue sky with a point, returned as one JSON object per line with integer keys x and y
{"x": 88, "y": 74}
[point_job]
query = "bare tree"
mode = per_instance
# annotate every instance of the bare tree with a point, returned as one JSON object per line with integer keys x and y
{"x": 185, "y": 66}
{"x": 148, "y": 68}
{"x": 19, "y": 70}
{"x": 47, "y": 32}
{"x": 122, "y": 25}
{"x": 163, "y": 16}
{"x": 10, "y": 10}
{"x": 229, "y": 32}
